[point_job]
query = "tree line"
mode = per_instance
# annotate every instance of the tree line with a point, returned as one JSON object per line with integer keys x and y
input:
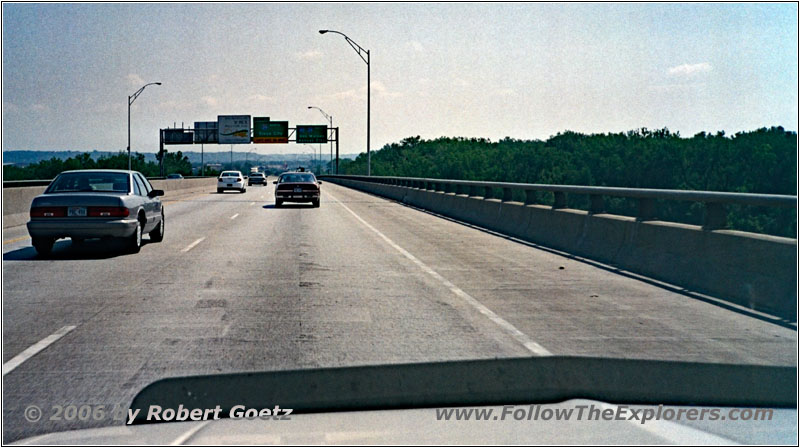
{"x": 174, "y": 162}
{"x": 760, "y": 161}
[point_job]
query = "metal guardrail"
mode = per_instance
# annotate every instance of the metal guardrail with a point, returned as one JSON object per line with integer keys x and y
{"x": 44, "y": 183}
{"x": 714, "y": 201}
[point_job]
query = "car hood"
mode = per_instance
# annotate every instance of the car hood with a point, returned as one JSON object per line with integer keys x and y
{"x": 421, "y": 427}
{"x": 401, "y": 403}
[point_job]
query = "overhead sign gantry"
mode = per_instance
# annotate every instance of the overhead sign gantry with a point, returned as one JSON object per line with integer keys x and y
{"x": 242, "y": 129}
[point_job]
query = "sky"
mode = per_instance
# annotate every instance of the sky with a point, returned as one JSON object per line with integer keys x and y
{"x": 526, "y": 71}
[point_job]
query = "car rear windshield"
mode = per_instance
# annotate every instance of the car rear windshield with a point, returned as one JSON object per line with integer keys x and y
{"x": 230, "y": 174}
{"x": 81, "y": 182}
{"x": 256, "y": 175}
{"x": 297, "y": 178}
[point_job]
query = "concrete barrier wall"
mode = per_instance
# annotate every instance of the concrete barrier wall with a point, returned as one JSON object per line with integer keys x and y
{"x": 17, "y": 201}
{"x": 753, "y": 270}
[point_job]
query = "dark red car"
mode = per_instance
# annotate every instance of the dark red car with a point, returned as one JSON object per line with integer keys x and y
{"x": 297, "y": 187}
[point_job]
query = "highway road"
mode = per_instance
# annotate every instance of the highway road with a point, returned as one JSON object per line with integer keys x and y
{"x": 238, "y": 285}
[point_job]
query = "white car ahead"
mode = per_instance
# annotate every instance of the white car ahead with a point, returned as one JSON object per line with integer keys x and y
{"x": 231, "y": 180}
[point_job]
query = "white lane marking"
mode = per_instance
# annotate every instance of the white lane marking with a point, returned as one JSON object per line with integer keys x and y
{"x": 29, "y": 352}
{"x": 189, "y": 247}
{"x": 252, "y": 203}
{"x": 521, "y": 337}
{"x": 234, "y": 216}
{"x": 183, "y": 438}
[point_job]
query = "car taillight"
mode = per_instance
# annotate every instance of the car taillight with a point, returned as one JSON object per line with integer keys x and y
{"x": 48, "y": 212}
{"x": 238, "y": 179}
{"x": 109, "y": 212}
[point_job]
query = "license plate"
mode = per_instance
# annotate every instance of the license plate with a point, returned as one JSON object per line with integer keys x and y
{"x": 230, "y": 185}
{"x": 298, "y": 190}
{"x": 76, "y": 211}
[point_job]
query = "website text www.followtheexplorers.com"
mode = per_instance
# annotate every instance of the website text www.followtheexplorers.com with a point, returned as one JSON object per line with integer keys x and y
{"x": 591, "y": 412}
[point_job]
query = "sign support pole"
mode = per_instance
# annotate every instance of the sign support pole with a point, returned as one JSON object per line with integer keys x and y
{"x": 337, "y": 150}
{"x": 161, "y": 152}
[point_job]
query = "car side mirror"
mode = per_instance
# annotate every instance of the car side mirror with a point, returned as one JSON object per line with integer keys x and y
{"x": 319, "y": 182}
{"x": 154, "y": 193}
{"x": 275, "y": 182}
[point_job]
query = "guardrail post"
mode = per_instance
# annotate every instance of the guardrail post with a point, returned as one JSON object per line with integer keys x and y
{"x": 715, "y": 216}
{"x": 596, "y": 204}
{"x": 488, "y": 193}
{"x": 446, "y": 187}
{"x": 506, "y": 194}
{"x": 473, "y": 191}
{"x": 559, "y": 199}
{"x": 647, "y": 210}
{"x": 530, "y": 197}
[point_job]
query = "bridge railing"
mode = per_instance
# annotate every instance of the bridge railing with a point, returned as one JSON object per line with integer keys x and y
{"x": 715, "y": 202}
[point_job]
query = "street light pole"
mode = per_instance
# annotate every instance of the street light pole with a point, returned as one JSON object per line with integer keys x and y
{"x": 361, "y": 52}
{"x": 330, "y": 121}
{"x": 131, "y": 99}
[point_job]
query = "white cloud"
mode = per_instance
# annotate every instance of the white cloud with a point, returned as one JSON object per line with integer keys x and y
{"x": 210, "y": 101}
{"x": 261, "y": 98}
{"x": 135, "y": 80}
{"x": 309, "y": 55}
{"x": 10, "y": 107}
{"x": 461, "y": 82}
{"x": 416, "y": 46}
{"x": 505, "y": 92}
{"x": 378, "y": 89}
{"x": 690, "y": 69}
{"x": 40, "y": 107}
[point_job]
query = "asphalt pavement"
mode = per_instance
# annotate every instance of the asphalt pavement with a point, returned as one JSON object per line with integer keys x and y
{"x": 238, "y": 285}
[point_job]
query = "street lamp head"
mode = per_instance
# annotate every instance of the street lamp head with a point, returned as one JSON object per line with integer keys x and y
{"x": 158, "y": 83}
{"x": 323, "y": 31}
{"x": 310, "y": 107}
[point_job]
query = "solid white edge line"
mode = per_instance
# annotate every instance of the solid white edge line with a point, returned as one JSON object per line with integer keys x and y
{"x": 29, "y": 352}
{"x": 234, "y": 216}
{"x": 189, "y": 247}
{"x": 521, "y": 337}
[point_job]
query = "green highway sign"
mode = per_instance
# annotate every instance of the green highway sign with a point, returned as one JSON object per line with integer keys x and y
{"x": 312, "y": 134}
{"x": 266, "y": 131}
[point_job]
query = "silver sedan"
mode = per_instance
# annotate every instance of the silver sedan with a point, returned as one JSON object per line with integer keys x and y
{"x": 97, "y": 204}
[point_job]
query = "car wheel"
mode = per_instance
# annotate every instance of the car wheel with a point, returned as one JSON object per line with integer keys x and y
{"x": 135, "y": 241}
{"x": 43, "y": 246}
{"x": 157, "y": 235}
{"x": 77, "y": 241}
{"x": 315, "y": 203}
{"x": 219, "y": 190}
{"x": 243, "y": 190}
{"x": 278, "y": 203}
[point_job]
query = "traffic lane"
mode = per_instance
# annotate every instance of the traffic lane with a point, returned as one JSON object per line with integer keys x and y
{"x": 42, "y": 294}
{"x": 107, "y": 303}
{"x": 274, "y": 289}
{"x": 572, "y": 307}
